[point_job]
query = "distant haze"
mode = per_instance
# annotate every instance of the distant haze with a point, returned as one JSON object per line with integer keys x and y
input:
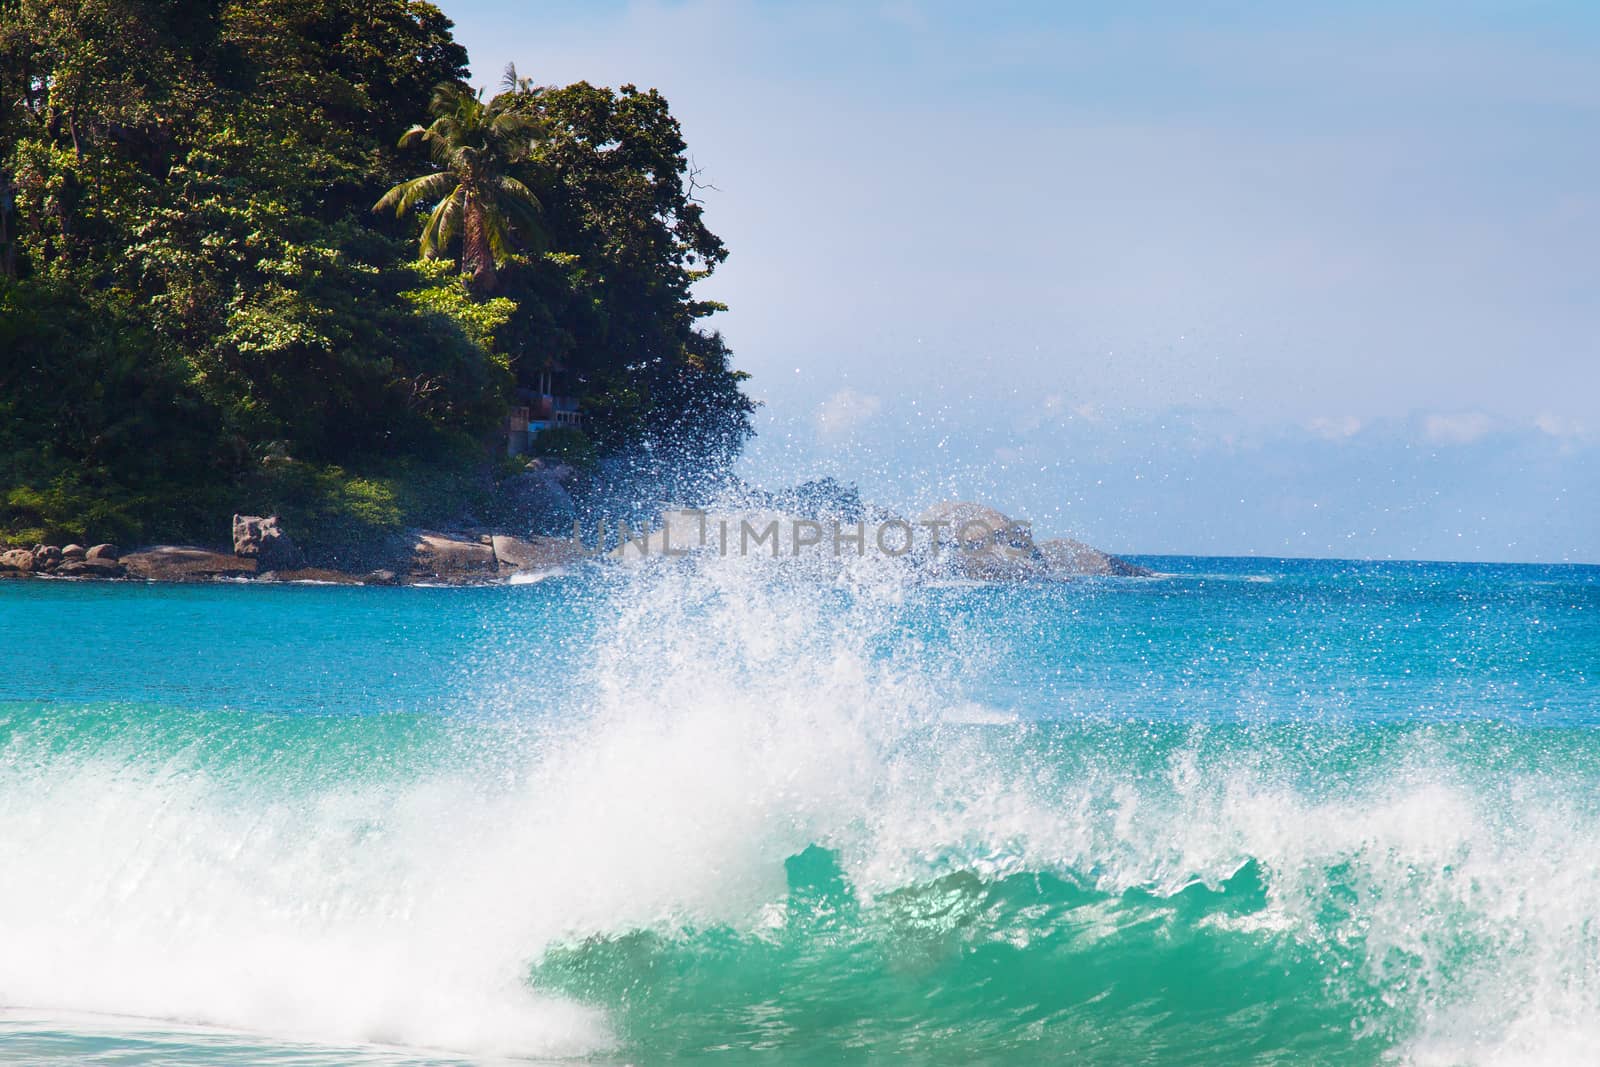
{"x": 1212, "y": 278}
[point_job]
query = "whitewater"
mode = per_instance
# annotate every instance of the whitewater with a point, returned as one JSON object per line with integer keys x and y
{"x": 1249, "y": 811}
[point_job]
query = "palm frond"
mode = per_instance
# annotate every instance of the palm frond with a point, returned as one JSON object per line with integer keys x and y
{"x": 443, "y": 224}
{"x": 516, "y": 190}
{"x": 449, "y": 98}
{"x": 454, "y": 219}
{"x": 440, "y": 136}
{"x": 407, "y": 194}
{"x": 496, "y": 231}
{"x": 515, "y": 124}
{"x": 522, "y": 209}
{"x": 474, "y": 143}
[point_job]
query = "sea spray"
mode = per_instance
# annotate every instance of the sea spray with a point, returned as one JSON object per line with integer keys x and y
{"x": 806, "y": 818}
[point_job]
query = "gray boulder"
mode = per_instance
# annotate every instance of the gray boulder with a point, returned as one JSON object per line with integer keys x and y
{"x": 537, "y": 554}
{"x": 91, "y": 568}
{"x": 979, "y": 543}
{"x": 72, "y": 552}
{"x": 989, "y": 546}
{"x": 972, "y": 525}
{"x": 1068, "y": 559}
{"x": 103, "y": 552}
{"x": 452, "y": 559}
{"x": 264, "y": 540}
{"x": 18, "y": 560}
{"x": 46, "y": 557}
{"x": 994, "y": 563}
{"x": 180, "y": 563}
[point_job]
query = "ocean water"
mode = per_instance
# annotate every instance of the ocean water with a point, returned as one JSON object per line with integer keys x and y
{"x": 1251, "y": 812}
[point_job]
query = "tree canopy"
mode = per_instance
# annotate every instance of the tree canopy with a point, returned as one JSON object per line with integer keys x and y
{"x": 476, "y": 196}
{"x": 198, "y": 295}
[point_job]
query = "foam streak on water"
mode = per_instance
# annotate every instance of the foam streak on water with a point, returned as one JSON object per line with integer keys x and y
{"x": 806, "y": 819}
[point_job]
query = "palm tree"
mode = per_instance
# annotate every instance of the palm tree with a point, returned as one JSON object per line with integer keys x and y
{"x": 474, "y": 195}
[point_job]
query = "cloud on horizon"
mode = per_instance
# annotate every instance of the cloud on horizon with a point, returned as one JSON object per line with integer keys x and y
{"x": 1218, "y": 482}
{"x": 1457, "y": 429}
{"x": 843, "y": 412}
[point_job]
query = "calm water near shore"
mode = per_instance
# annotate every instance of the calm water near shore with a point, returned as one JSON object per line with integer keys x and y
{"x": 1253, "y": 811}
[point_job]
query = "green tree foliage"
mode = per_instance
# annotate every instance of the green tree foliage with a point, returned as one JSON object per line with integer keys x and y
{"x": 198, "y": 294}
{"x": 607, "y": 306}
{"x": 566, "y": 444}
{"x": 100, "y": 432}
{"x": 613, "y": 308}
{"x": 475, "y": 196}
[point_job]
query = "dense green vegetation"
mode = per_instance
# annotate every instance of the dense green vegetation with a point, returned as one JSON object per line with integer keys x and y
{"x": 273, "y": 255}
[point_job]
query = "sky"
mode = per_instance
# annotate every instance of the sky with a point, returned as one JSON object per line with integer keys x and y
{"x": 1212, "y": 278}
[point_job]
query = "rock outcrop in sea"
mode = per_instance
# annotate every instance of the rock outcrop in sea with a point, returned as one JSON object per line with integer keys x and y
{"x": 952, "y": 540}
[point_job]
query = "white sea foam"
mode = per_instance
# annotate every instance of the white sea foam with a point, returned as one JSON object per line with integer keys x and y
{"x": 535, "y": 577}
{"x": 735, "y": 717}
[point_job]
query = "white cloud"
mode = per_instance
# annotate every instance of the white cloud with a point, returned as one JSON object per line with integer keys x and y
{"x": 845, "y": 410}
{"x": 1458, "y": 429}
{"x": 1559, "y": 426}
{"x": 1335, "y": 427}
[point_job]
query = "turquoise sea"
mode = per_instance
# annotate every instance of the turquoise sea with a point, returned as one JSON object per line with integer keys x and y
{"x": 1254, "y": 811}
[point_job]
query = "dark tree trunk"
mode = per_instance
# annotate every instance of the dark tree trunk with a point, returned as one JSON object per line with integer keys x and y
{"x": 8, "y": 227}
{"x": 476, "y": 258}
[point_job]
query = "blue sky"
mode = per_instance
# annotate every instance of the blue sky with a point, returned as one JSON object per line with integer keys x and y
{"x": 1218, "y": 278}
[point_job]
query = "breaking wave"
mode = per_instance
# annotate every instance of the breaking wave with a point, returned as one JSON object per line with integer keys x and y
{"x": 776, "y": 822}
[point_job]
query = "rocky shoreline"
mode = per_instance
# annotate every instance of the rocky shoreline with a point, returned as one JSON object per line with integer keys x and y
{"x": 263, "y": 551}
{"x": 68, "y": 561}
{"x": 434, "y": 558}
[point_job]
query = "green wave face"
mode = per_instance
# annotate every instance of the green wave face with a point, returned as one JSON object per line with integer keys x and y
{"x": 1227, "y": 895}
{"x": 710, "y": 815}
{"x": 1102, "y": 893}
{"x": 1091, "y": 893}
{"x": 1028, "y": 968}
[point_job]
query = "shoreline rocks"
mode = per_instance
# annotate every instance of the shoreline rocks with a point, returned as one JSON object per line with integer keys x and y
{"x": 451, "y": 558}
{"x": 16, "y": 561}
{"x": 91, "y": 568}
{"x": 264, "y": 540}
{"x": 432, "y": 557}
{"x": 534, "y": 554}
{"x": 463, "y": 559}
{"x": 976, "y": 542}
{"x": 73, "y": 561}
{"x": 186, "y": 563}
